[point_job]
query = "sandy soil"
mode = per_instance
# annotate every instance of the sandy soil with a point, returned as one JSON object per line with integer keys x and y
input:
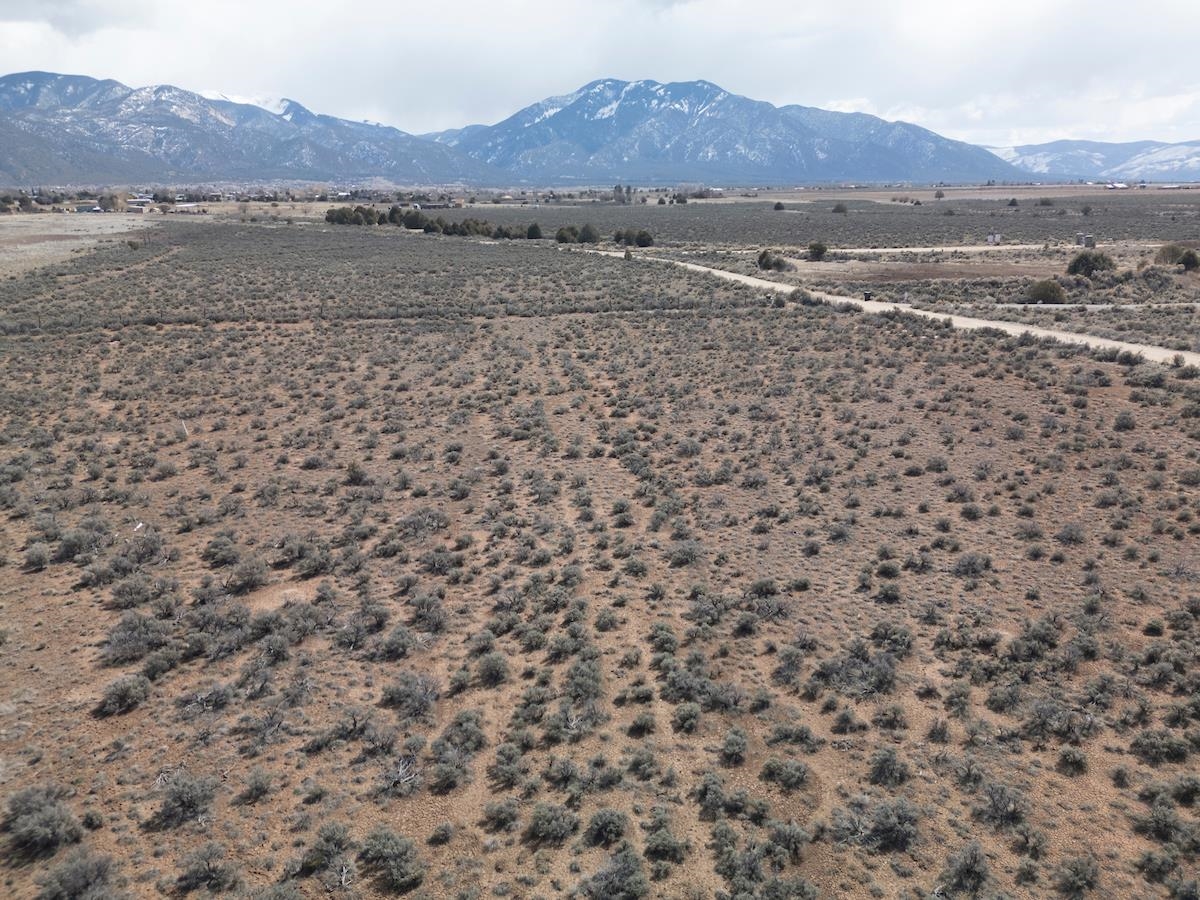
{"x": 499, "y": 370}
{"x": 30, "y": 241}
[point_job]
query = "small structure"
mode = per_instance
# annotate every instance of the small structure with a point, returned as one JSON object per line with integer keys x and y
{"x": 993, "y": 237}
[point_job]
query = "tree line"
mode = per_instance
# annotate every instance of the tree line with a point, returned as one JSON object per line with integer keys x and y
{"x": 417, "y": 220}
{"x": 469, "y": 227}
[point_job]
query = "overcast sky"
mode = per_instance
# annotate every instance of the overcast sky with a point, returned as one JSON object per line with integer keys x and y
{"x": 1000, "y": 73}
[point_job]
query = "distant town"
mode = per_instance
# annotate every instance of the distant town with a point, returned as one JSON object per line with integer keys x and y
{"x": 195, "y": 200}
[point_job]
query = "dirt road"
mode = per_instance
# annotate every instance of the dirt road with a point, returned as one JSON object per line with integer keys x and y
{"x": 949, "y": 248}
{"x": 1016, "y": 329}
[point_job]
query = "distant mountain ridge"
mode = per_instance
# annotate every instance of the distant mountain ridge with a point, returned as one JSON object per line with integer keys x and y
{"x": 71, "y": 129}
{"x": 1098, "y": 160}
{"x": 646, "y": 131}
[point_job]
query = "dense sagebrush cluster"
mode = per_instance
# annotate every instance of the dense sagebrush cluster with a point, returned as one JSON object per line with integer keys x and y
{"x": 362, "y": 561}
{"x": 294, "y": 275}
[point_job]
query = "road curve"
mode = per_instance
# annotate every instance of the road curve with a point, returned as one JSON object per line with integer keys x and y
{"x": 967, "y": 323}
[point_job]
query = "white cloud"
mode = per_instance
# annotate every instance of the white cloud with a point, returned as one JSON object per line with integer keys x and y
{"x": 1023, "y": 70}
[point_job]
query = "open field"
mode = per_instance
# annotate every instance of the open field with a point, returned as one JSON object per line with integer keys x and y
{"x": 1141, "y": 216}
{"x": 29, "y": 242}
{"x": 357, "y": 561}
{"x": 872, "y": 219}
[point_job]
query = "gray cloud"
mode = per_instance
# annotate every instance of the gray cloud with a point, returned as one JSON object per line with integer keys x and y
{"x": 75, "y": 17}
{"x": 1022, "y": 71}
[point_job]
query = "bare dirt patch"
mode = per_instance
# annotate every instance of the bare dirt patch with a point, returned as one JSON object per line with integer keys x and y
{"x": 28, "y": 242}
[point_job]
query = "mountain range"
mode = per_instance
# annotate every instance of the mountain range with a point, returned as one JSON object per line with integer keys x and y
{"x": 71, "y": 129}
{"x": 645, "y": 131}
{"x": 1134, "y": 161}
{"x": 74, "y": 129}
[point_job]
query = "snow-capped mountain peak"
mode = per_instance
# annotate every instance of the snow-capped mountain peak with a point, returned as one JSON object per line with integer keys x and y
{"x": 1101, "y": 161}
{"x": 274, "y": 105}
{"x": 647, "y": 130}
{"x": 73, "y": 129}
